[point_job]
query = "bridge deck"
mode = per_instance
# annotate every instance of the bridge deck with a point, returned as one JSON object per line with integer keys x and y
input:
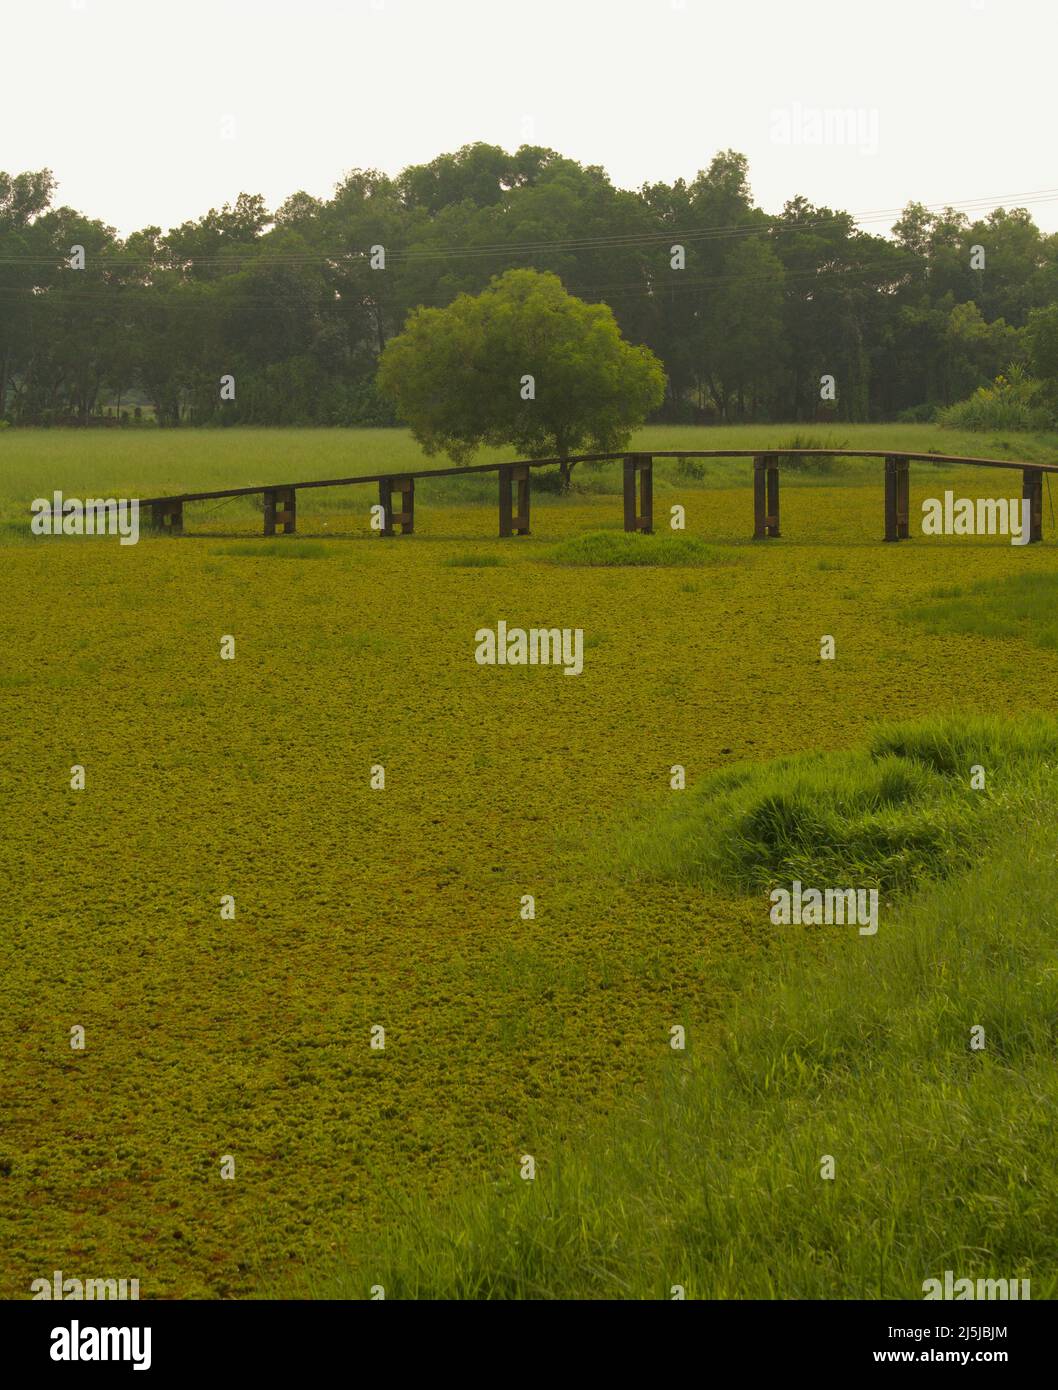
{"x": 596, "y": 458}
{"x": 280, "y": 499}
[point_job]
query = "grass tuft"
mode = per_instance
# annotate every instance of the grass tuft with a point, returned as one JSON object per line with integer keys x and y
{"x": 631, "y": 548}
{"x": 889, "y": 816}
{"x": 474, "y": 560}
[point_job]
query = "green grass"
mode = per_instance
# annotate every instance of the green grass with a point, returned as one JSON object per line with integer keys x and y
{"x": 150, "y": 462}
{"x": 888, "y": 816}
{"x": 1023, "y": 606}
{"x": 859, "y": 1050}
{"x": 631, "y": 548}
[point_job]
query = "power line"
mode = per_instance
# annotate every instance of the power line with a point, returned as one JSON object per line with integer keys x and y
{"x": 893, "y": 268}
{"x": 621, "y": 240}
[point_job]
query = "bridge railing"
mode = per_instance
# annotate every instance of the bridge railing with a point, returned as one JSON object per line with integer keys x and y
{"x": 280, "y": 499}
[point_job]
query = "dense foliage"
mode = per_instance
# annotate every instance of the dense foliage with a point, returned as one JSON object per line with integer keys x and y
{"x": 466, "y": 375}
{"x": 296, "y": 306}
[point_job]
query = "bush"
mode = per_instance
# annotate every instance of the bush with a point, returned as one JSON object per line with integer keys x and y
{"x": 692, "y": 469}
{"x": 924, "y": 414}
{"x": 1012, "y": 402}
{"x": 809, "y": 465}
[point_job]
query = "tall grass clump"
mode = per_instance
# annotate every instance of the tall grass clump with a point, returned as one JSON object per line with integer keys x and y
{"x": 900, "y": 811}
{"x": 800, "y": 463}
{"x": 274, "y": 550}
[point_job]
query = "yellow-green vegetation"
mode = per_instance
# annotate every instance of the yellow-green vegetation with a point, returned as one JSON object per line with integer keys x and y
{"x": 357, "y": 907}
{"x": 920, "y": 1065}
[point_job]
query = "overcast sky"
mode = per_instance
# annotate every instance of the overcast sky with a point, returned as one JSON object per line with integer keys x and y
{"x": 153, "y": 111}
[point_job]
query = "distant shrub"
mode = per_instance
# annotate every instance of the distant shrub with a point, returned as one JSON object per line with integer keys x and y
{"x": 1012, "y": 402}
{"x": 924, "y": 414}
{"x": 550, "y": 480}
{"x": 365, "y": 406}
{"x": 692, "y": 469}
{"x": 809, "y": 465}
{"x": 630, "y": 548}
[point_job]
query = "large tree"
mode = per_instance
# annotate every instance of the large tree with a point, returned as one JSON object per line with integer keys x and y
{"x": 525, "y": 364}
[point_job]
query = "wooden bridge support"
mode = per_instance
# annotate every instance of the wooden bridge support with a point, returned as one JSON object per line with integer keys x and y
{"x": 1032, "y": 493}
{"x": 511, "y": 524}
{"x": 897, "y": 498}
{"x": 280, "y": 507}
{"x": 405, "y": 518}
{"x": 765, "y": 496}
{"x": 641, "y": 519}
{"x": 168, "y": 516}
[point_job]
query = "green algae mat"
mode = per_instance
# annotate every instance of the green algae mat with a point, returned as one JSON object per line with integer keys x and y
{"x": 233, "y": 906}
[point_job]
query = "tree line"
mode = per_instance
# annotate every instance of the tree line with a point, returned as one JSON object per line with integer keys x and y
{"x": 746, "y": 310}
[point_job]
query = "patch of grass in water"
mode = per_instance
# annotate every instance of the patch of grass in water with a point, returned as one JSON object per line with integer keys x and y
{"x": 1023, "y": 605}
{"x": 474, "y": 560}
{"x": 632, "y": 548}
{"x": 892, "y": 815}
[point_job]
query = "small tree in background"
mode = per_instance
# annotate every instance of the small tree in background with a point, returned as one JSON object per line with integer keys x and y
{"x": 458, "y": 375}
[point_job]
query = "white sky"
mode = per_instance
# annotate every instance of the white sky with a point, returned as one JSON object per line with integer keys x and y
{"x": 127, "y": 100}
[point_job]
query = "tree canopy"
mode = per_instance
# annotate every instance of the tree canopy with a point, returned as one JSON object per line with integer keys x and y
{"x": 523, "y": 363}
{"x": 294, "y": 304}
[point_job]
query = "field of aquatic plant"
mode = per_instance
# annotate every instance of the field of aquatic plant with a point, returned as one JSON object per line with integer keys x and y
{"x": 357, "y": 907}
{"x": 864, "y": 1118}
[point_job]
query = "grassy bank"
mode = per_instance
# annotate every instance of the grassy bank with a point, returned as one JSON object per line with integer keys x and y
{"x": 889, "y": 816}
{"x": 859, "y": 1050}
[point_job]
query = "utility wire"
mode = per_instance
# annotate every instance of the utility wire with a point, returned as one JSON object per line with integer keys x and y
{"x": 629, "y": 240}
